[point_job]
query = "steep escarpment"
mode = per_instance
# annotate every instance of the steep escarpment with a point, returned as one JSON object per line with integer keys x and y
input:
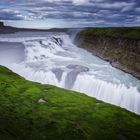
{"x": 29, "y": 110}
{"x": 119, "y": 46}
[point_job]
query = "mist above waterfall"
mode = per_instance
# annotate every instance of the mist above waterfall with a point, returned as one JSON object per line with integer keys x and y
{"x": 52, "y": 58}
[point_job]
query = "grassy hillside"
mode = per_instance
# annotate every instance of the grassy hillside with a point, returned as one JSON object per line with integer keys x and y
{"x": 127, "y": 33}
{"x": 61, "y": 115}
{"x": 119, "y": 46}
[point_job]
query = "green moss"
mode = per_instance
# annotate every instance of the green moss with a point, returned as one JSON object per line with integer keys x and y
{"x": 128, "y": 33}
{"x": 66, "y": 115}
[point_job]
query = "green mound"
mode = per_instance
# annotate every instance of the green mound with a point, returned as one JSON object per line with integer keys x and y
{"x": 31, "y": 111}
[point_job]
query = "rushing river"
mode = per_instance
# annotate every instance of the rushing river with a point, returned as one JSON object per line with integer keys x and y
{"x": 52, "y": 58}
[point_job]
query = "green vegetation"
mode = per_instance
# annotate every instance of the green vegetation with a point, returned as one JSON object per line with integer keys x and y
{"x": 119, "y": 46}
{"x": 65, "y": 115}
{"x": 128, "y": 33}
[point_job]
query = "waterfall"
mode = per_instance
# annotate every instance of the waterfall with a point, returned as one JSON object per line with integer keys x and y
{"x": 52, "y": 58}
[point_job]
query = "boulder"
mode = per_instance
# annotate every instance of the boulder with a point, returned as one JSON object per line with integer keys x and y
{"x": 41, "y": 101}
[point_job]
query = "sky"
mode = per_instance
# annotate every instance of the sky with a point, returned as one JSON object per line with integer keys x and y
{"x": 70, "y": 13}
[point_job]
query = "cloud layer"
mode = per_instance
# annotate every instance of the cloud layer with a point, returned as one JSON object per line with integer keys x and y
{"x": 76, "y": 13}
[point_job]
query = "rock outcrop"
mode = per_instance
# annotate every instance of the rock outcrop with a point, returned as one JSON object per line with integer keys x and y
{"x": 7, "y": 29}
{"x": 1, "y": 25}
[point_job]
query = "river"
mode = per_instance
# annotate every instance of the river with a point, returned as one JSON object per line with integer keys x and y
{"x": 53, "y": 58}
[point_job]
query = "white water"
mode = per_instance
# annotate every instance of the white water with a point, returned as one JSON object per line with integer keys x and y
{"x": 52, "y": 58}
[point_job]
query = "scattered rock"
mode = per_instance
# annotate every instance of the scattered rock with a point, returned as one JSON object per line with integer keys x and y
{"x": 97, "y": 104}
{"x": 41, "y": 101}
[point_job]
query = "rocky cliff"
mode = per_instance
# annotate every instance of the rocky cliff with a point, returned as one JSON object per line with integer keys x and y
{"x": 6, "y": 29}
{"x": 119, "y": 46}
{"x": 1, "y": 25}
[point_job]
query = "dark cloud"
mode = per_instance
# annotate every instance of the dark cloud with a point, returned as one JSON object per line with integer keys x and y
{"x": 77, "y": 12}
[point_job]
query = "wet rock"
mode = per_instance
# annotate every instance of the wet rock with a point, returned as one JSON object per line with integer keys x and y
{"x": 58, "y": 41}
{"x": 78, "y": 68}
{"x": 71, "y": 78}
{"x": 58, "y": 73}
{"x": 72, "y": 75}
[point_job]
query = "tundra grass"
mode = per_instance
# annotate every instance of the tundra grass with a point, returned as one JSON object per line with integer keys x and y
{"x": 65, "y": 115}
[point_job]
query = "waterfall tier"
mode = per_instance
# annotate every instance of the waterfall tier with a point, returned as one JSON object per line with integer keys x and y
{"x": 51, "y": 58}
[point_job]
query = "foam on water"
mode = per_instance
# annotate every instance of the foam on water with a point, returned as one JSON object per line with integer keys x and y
{"x": 51, "y": 58}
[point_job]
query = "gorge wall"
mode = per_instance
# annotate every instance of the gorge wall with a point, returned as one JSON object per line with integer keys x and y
{"x": 119, "y": 46}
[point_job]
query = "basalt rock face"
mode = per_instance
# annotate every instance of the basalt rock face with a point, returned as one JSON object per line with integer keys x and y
{"x": 1, "y": 25}
{"x": 121, "y": 52}
{"x": 6, "y": 29}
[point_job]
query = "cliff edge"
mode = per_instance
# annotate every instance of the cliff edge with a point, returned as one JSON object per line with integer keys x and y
{"x": 119, "y": 46}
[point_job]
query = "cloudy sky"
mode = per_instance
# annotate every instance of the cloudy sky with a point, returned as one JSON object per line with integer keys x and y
{"x": 70, "y": 13}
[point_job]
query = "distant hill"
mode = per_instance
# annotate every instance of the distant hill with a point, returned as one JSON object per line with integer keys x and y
{"x": 8, "y": 29}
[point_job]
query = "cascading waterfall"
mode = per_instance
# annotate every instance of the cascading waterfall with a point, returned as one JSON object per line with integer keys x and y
{"x": 52, "y": 58}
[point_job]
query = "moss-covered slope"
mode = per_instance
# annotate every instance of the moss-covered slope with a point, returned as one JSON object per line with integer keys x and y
{"x": 119, "y": 46}
{"x": 61, "y": 115}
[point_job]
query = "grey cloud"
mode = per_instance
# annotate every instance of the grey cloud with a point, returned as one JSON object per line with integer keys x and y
{"x": 82, "y": 12}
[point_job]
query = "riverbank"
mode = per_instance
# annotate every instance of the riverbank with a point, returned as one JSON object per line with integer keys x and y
{"x": 119, "y": 46}
{"x": 29, "y": 110}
